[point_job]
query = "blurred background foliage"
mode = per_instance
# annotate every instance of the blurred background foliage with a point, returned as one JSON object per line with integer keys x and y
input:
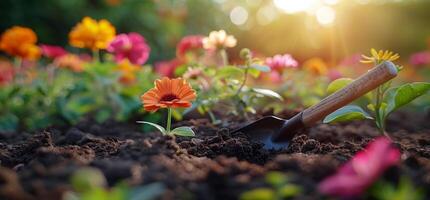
{"x": 262, "y": 25}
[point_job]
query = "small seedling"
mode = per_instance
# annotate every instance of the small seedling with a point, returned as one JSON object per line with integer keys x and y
{"x": 90, "y": 184}
{"x": 382, "y": 101}
{"x": 405, "y": 190}
{"x": 280, "y": 188}
{"x": 169, "y": 93}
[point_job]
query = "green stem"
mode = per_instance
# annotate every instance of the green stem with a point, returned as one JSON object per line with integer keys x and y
{"x": 224, "y": 57}
{"x": 18, "y": 79}
{"x": 169, "y": 120}
{"x": 211, "y": 115}
{"x": 96, "y": 55}
{"x": 244, "y": 80}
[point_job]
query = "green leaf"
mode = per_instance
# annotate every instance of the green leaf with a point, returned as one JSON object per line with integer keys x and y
{"x": 290, "y": 190}
{"x": 87, "y": 179}
{"x": 183, "y": 131}
{"x": 338, "y": 84}
{"x": 254, "y": 72}
{"x": 276, "y": 179}
{"x": 402, "y": 95}
{"x": 8, "y": 122}
{"x": 261, "y": 68}
{"x": 258, "y": 194}
{"x": 177, "y": 115}
{"x": 95, "y": 194}
{"x": 268, "y": 93}
{"x": 230, "y": 71}
{"x": 160, "y": 128}
{"x": 180, "y": 70}
{"x": 102, "y": 115}
{"x": 347, "y": 113}
{"x": 371, "y": 107}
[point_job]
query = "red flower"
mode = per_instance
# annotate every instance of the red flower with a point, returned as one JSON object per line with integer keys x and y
{"x": 52, "y": 51}
{"x": 358, "y": 174}
{"x": 167, "y": 68}
{"x": 189, "y": 43}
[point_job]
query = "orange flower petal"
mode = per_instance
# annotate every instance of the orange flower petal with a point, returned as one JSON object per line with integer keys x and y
{"x": 168, "y": 92}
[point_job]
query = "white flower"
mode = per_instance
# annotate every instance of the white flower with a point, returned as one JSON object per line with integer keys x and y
{"x": 219, "y": 39}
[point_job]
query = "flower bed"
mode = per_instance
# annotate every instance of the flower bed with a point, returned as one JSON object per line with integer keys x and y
{"x": 103, "y": 124}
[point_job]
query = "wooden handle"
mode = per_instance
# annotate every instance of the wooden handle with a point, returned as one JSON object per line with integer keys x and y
{"x": 362, "y": 85}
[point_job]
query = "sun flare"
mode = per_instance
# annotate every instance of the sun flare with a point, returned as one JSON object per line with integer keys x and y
{"x": 321, "y": 9}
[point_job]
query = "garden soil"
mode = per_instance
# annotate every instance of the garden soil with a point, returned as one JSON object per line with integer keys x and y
{"x": 213, "y": 165}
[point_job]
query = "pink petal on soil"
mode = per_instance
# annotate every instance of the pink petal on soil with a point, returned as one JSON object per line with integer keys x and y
{"x": 362, "y": 170}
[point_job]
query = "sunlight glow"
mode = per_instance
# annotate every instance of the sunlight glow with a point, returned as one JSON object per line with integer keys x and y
{"x": 325, "y": 15}
{"x": 331, "y": 2}
{"x": 295, "y": 6}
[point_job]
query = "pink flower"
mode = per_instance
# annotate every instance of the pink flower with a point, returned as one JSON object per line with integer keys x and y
{"x": 130, "y": 46}
{"x": 334, "y": 74}
{"x": 366, "y": 166}
{"x": 6, "y": 72}
{"x": 281, "y": 62}
{"x": 420, "y": 58}
{"x": 188, "y": 44}
{"x": 167, "y": 68}
{"x": 352, "y": 60}
{"x": 271, "y": 77}
{"x": 52, "y": 51}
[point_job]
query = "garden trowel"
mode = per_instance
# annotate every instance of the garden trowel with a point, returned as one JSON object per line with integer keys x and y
{"x": 275, "y": 133}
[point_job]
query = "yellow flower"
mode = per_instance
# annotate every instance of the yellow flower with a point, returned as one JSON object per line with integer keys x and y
{"x": 92, "y": 34}
{"x": 377, "y": 57}
{"x": 316, "y": 66}
{"x": 128, "y": 71}
{"x": 219, "y": 39}
{"x": 21, "y": 42}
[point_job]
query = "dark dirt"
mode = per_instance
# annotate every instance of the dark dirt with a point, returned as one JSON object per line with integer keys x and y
{"x": 213, "y": 165}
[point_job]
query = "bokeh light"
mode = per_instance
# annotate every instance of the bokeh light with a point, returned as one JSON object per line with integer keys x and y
{"x": 238, "y": 15}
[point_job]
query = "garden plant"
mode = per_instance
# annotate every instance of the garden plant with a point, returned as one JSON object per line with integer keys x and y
{"x": 142, "y": 100}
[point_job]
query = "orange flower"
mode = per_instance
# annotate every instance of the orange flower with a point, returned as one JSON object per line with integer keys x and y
{"x": 92, "y": 34}
{"x": 316, "y": 66}
{"x": 70, "y": 61}
{"x": 21, "y": 42}
{"x": 128, "y": 72}
{"x": 168, "y": 93}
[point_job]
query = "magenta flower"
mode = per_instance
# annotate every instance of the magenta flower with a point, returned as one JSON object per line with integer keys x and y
{"x": 420, "y": 58}
{"x": 189, "y": 44}
{"x": 51, "y": 51}
{"x": 130, "y": 46}
{"x": 362, "y": 170}
{"x": 281, "y": 62}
